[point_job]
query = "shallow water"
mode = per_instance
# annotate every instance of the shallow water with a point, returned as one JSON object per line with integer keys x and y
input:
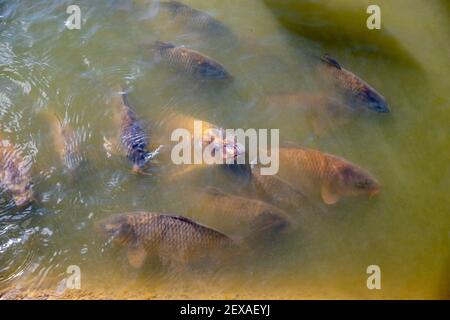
{"x": 405, "y": 229}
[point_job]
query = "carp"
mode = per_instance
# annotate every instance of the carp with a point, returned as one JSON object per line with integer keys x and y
{"x": 355, "y": 90}
{"x": 332, "y": 177}
{"x": 190, "y": 62}
{"x": 171, "y": 237}
{"x": 197, "y": 20}
{"x": 133, "y": 139}
{"x": 252, "y": 216}
{"x": 15, "y": 175}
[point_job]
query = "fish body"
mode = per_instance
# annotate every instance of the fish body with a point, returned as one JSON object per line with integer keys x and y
{"x": 15, "y": 174}
{"x": 330, "y": 176}
{"x": 353, "y": 88}
{"x": 190, "y": 62}
{"x": 321, "y": 111}
{"x": 67, "y": 143}
{"x": 133, "y": 137}
{"x": 169, "y": 237}
{"x": 253, "y": 217}
{"x": 197, "y": 20}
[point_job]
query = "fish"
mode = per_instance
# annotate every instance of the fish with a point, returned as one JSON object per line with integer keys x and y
{"x": 197, "y": 20}
{"x": 169, "y": 237}
{"x": 133, "y": 137}
{"x": 322, "y": 111}
{"x": 280, "y": 193}
{"x": 330, "y": 176}
{"x": 353, "y": 88}
{"x": 66, "y": 142}
{"x": 15, "y": 175}
{"x": 190, "y": 62}
{"x": 251, "y": 216}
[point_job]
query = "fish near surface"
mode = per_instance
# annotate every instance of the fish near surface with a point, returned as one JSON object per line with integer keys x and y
{"x": 211, "y": 136}
{"x": 15, "y": 175}
{"x": 280, "y": 193}
{"x": 354, "y": 89}
{"x": 170, "y": 237}
{"x": 235, "y": 213}
{"x": 323, "y": 112}
{"x": 197, "y": 20}
{"x": 67, "y": 143}
{"x": 133, "y": 137}
{"x": 332, "y": 177}
{"x": 190, "y": 62}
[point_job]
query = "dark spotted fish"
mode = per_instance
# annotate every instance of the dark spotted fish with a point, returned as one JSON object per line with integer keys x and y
{"x": 197, "y": 20}
{"x": 330, "y": 176}
{"x": 190, "y": 62}
{"x": 235, "y": 213}
{"x": 133, "y": 136}
{"x": 169, "y": 237}
{"x": 353, "y": 88}
{"x": 15, "y": 175}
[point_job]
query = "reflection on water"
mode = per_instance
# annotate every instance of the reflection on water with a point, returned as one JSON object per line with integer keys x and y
{"x": 56, "y": 88}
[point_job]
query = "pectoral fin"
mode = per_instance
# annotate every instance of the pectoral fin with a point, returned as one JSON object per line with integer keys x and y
{"x": 328, "y": 195}
{"x": 136, "y": 256}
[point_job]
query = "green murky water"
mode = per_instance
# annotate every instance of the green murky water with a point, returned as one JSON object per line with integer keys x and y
{"x": 405, "y": 230}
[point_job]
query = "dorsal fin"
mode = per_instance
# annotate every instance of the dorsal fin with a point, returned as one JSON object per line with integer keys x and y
{"x": 160, "y": 45}
{"x": 330, "y": 61}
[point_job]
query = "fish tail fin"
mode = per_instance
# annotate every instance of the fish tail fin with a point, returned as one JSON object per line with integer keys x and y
{"x": 153, "y": 154}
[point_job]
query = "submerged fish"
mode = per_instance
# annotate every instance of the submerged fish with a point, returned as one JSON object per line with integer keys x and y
{"x": 190, "y": 62}
{"x": 67, "y": 143}
{"x": 280, "y": 192}
{"x": 175, "y": 238}
{"x": 353, "y": 88}
{"x": 332, "y": 177}
{"x": 15, "y": 175}
{"x": 196, "y": 19}
{"x": 133, "y": 136}
{"x": 232, "y": 212}
{"x": 321, "y": 111}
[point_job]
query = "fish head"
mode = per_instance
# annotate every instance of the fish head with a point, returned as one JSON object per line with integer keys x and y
{"x": 374, "y": 100}
{"x": 355, "y": 181}
{"x": 116, "y": 227}
{"x": 210, "y": 70}
{"x": 227, "y": 145}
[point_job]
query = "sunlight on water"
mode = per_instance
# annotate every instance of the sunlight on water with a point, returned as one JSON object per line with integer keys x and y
{"x": 50, "y": 75}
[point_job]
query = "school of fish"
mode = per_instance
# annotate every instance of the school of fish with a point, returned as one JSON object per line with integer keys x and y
{"x": 307, "y": 179}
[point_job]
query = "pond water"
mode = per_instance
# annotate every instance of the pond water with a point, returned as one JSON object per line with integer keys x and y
{"x": 47, "y": 69}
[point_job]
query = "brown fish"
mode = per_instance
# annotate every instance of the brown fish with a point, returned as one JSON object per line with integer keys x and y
{"x": 353, "y": 88}
{"x": 196, "y": 19}
{"x": 67, "y": 143}
{"x": 15, "y": 175}
{"x": 190, "y": 62}
{"x": 332, "y": 177}
{"x": 321, "y": 111}
{"x": 280, "y": 192}
{"x": 133, "y": 137}
{"x": 175, "y": 238}
{"x": 235, "y": 213}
